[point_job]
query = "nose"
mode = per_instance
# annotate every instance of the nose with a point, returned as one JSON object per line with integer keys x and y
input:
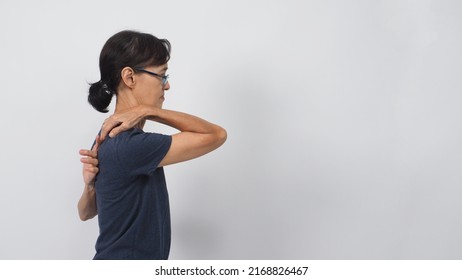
{"x": 167, "y": 86}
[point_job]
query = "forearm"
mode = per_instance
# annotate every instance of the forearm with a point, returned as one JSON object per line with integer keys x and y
{"x": 182, "y": 121}
{"x": 197, "y": 137}
{"x": 87, "y": 203}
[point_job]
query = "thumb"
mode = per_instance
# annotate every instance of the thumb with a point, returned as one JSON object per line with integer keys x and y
{"x": 97, "y": 142}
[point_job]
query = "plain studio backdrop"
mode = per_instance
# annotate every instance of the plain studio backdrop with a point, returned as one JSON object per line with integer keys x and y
{"x": 343, "y": 120}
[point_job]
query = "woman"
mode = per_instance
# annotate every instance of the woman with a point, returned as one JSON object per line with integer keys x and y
{"x": 123, "y": 172}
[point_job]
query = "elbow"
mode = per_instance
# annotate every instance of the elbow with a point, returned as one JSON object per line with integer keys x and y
{"x": 84, "y": 217}
{"x": 214, "y": 140}
{"x": 86, "y": 214}
{"x": 222, "y": 135}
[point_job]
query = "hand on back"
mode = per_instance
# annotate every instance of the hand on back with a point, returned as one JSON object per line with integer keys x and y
{"x": 90, "y": 162}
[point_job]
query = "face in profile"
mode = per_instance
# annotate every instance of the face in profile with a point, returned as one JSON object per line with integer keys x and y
{"x": 152, "y": 82}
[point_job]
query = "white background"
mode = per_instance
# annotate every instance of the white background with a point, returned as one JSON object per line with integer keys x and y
{"x": 343, "y": 122}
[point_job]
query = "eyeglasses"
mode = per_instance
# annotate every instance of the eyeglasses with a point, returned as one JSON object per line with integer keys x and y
{"x": 164, "y": 78}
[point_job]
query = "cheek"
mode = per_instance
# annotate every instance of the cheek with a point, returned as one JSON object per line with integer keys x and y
{"x": 157, "y": 90}
{"x": 150, "y": 91}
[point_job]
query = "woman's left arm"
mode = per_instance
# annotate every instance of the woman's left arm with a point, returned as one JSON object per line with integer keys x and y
{"x": 87, "y": 203}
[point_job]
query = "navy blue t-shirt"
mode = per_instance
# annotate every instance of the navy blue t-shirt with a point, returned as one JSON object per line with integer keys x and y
{"x": 132, "y": 198}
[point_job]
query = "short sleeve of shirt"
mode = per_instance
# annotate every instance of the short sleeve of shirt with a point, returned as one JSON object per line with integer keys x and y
{"x": 141, "y": 152}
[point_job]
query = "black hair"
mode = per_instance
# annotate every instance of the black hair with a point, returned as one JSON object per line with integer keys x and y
{"x": 126, "y": 48}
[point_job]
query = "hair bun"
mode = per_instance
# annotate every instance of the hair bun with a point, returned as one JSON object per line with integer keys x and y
{"x": 106, "y": 88}
{"x": 100, "y": 96}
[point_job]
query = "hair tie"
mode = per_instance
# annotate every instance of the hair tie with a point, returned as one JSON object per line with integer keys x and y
{"x": 106, "y": 89}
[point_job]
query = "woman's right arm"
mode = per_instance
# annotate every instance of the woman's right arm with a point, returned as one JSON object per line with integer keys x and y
{"x": 197, "y": 137}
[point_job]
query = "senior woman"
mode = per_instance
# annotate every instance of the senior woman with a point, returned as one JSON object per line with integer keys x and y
{"x": 123, "y": 172}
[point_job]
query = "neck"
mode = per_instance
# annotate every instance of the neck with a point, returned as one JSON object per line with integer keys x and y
{"x": 125, "y": 102}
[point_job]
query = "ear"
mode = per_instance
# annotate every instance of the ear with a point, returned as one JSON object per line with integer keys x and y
{"x": 128, "y": 77}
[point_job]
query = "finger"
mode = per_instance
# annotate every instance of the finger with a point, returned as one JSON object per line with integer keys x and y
{"x": 108, "y": 125}
{"x": 88, "y": 160}
{"x": 91, "y": 169}
{"x": 118, "y": 130}
{"x": 114, "y": 132}
{"x": 96, "y": 146}
{"x": 88, "y": 153}
{"x": 85, "y": 152}
{"x": 105, "y": 128}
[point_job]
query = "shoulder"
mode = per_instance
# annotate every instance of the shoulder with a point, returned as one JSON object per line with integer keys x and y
{"x": 125, "y": 136}
{"x": 120, "y": 138}
{"x": 137, "y": 139}
{"x": 137, "y": 136}
{"x": 137, "y": 151}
